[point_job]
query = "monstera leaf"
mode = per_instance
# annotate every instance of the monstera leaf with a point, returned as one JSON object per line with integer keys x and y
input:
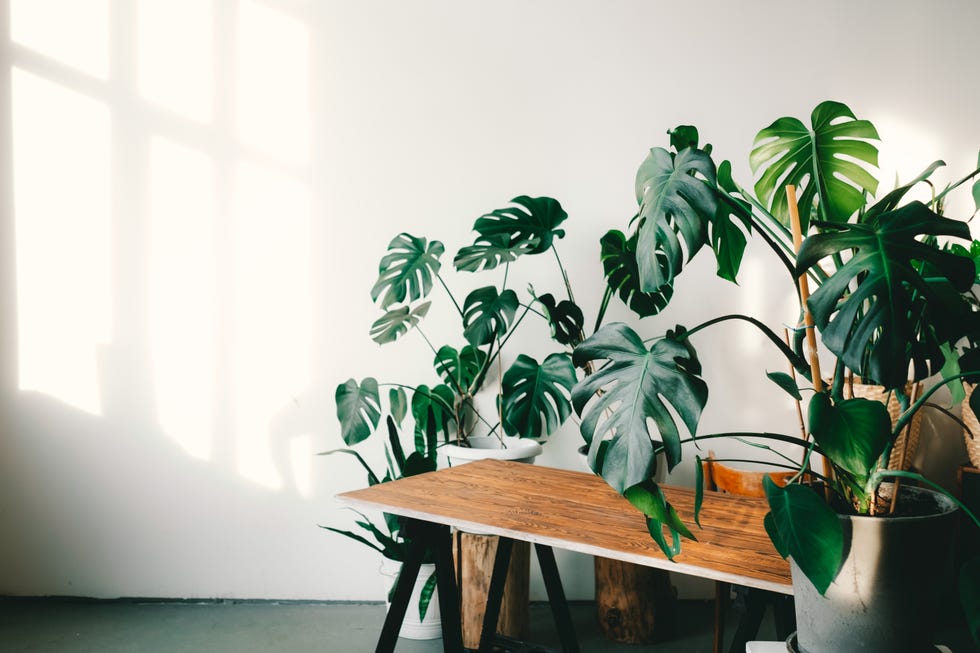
{"x": 460, "y": 369}
{"x": 823, "y": 162}
{"x": 532, "y": 222}
{"x": 535, "y": 397}
{"x": 635, "y": 387}
{"x": 358, "y": 409}
{"x": 433, "y": 412}
{"x": 802, "y": 525}
{"x": 487, "y": 314}
{"x": 618, "y": 256}
{"x": 873, "y": 326}
{"x": 729, "y": 224}
{"x": 490, "y": 251}
{"x": 677, "y": 201}
{"x": 396, "y": 322}
{"x": 565, "y": 317}
{"x": 406, "y": 271}
{"x": 648, "y": 498}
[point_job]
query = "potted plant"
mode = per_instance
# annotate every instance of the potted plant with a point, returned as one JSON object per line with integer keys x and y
{"x": 470, "y": 408}
{"x": 523, "y": 400}
{"x": 890, "y": 303}
{"x": 388, "y": 539}
{"x": 528, "y": 401}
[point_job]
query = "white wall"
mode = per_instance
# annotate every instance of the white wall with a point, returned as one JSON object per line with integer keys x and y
{"x": 195, "y": 196}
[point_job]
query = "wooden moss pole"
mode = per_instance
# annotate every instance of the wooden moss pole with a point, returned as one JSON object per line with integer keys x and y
{"x": 474, "y": 556}
{"x": 634, "y": 603}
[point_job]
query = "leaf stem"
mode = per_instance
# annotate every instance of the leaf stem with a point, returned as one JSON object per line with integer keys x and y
{"x": 798, "y": 362}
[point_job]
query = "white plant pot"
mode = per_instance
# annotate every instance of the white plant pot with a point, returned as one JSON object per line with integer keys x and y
{"x": 522, "y": 450}
{"x": 412, "y": 626}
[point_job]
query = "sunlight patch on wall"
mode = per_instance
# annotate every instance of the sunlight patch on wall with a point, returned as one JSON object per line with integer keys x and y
{"x": 182, "y": 304}
{"x": 273, "y": 82}
{"x": 73, "y": 32}
{"x": 176, "y": 56}
{"x": 273, "y": 315}
{"x": 62, "y": 211}
{"x": 301, "y": 453}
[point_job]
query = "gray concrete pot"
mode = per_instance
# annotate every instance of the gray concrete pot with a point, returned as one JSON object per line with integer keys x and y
{"x": 884, "y": 597}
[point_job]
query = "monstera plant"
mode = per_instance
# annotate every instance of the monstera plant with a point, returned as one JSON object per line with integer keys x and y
{"x": 891, "y": 302}
{"x": 532, "y": 397}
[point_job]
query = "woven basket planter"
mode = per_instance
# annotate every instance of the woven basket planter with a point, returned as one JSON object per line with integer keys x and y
{"x": 970, "y": 419}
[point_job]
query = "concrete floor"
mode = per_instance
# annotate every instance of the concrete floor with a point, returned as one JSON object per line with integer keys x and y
{"x": 83, "y": 626}
{"x": 77, "y": 626}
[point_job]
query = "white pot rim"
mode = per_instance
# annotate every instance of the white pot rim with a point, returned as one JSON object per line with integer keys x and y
{"x": 489, "y": 447}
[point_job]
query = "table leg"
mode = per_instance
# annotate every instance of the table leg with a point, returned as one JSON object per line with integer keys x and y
{"x": 452, "y": 630}
{"x": 495, "y": 595}
{"x": 403, "y": 592}
{"x": 425, "y": 536}
{"x": 556, "y": 597}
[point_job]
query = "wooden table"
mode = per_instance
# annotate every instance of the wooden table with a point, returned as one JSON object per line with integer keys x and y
{"x": 569, "y": 510}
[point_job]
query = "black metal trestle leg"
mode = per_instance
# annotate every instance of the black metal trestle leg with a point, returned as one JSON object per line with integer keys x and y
{"x": 435, "y": 537}
{"x": 495, "y": 595}
{"x": 556, "y": 597}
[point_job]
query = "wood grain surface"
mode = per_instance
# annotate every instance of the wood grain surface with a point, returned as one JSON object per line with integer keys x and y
{"x": 578, "y": 511}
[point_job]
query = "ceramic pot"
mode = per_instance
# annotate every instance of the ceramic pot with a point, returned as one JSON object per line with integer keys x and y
{"x": 412, "y": 627}
{"x": 522, "y": 450}
{"x": 885, "y": 595}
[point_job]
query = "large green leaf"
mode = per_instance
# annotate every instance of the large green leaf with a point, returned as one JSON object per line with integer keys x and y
{"x": 530, "y": 226}
{"x": 488, "y": 315}
{"x": 433, "y": 408}
{"x": 489, "y": 252}
{"x": 870, "y": 310}
{"x": 460, "y": 369}
{"x": 676, "y": 203}
{"x": 406, "y": 271}
{"x": 618, "y": 255}
{"x": 396, "y": 322}
{"x": 648, "y": 498}
{"x": 398, "y": 403}
{"x": 635, "y": 387}
{"x": 536, "y": 397}
{"x": 804, "y": 526}
{"x": 853, "y": 433}
{"x": 358, "y": 409}
{"x": 732, "y": 220}
{"x": 565, "y": 318}
{"x": 824, "y": 162}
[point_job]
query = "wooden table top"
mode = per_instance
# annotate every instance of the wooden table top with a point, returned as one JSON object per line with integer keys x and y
{"x": 578, "y": 511}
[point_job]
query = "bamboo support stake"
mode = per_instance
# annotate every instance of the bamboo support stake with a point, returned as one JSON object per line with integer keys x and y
{"x": 804, "y": 282}
{"x": 811, "y": 336}
{"x": 799, "y": 406}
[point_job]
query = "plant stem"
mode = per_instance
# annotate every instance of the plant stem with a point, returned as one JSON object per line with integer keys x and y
{"x": 450, "y": 293}
{"x": 962, "y": 181}
{"x": 564, "y": 275}
{"x": 796, "y": 361}
{"x": 779, "y": 465}
{"x": 606, "y": 296}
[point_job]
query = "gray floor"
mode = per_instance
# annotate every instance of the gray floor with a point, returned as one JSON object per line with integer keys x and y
{"x": 56, "y": 626}
{"x": 78, "y": 626}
